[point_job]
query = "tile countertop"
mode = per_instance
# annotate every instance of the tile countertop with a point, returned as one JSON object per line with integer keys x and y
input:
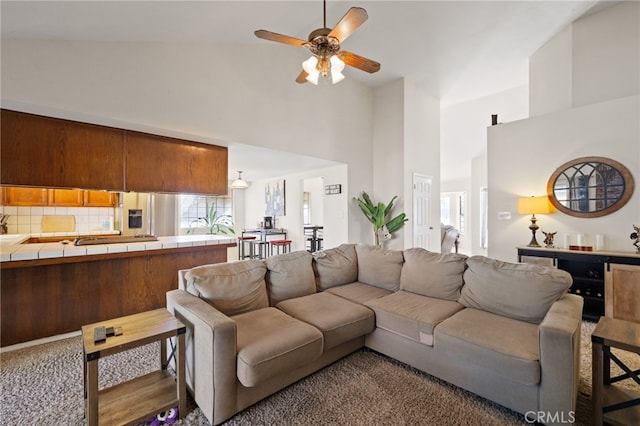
{"x": 11, "y": 248}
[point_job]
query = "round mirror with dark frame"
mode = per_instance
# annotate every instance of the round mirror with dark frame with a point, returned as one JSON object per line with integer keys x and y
{"x": 590, "y": 187}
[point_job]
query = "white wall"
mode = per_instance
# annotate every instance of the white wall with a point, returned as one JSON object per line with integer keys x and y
{"x": 523, "y": 155}
{"x": 606, "y": 44}
{"x": 550, "y": 75}
{"x": 604, "y": 53}
{"x": 422, "y": 156}
{"x": 203, "y": 92}
{"x": 593, "y": 60}
{"x": 388, "y": 154}
{"x": 334, "y": 211}
{"x": 464, "y": 150}
{"x": 406, "y": 140}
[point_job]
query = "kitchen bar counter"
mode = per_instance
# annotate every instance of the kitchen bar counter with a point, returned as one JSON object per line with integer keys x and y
{"x": 53, "y": 288}
{"x": 12, "y": 248}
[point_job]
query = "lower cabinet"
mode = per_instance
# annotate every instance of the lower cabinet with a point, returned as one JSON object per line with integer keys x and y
{"x": 609, "y": 282}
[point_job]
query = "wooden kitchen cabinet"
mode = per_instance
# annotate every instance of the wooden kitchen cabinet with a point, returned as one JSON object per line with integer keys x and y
{"x": 51, "y": 152}
{"x": 18, "y": 196}
{"x": 99, "y": 199}
{"x": 65, "y": 198}
{"x": 622, "y": 289}
{"x": 160, "y": 164}
{"x": 13, "y": 196}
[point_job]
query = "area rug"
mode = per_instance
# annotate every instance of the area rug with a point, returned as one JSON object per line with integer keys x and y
{"x": 43, "y": 385}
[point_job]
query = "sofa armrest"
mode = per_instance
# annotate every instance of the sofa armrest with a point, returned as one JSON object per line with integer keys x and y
{"x": 559, "y": 334}
{"x": 210, "y": 354}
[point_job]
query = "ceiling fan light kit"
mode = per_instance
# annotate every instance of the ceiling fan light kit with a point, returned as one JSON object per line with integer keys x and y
{"x": 324, "y": 45}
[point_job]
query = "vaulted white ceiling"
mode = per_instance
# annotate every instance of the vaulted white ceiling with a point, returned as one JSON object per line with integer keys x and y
{"x": 455, "y": 50}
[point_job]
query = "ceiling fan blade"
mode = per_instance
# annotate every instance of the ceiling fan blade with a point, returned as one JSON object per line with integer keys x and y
{"x": 271, "y": 36}
{"x": 349, "y": 23}
{"x": 302, "y": 77}
{"x": 359, "y": 62}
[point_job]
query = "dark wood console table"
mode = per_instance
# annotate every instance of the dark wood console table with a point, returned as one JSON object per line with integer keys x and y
{"x": 608, "y": 281}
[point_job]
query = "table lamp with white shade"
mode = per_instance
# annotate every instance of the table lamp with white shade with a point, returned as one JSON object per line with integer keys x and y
{"x": 534, "y": 205}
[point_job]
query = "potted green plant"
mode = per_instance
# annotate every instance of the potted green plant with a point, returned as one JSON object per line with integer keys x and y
{"x": 377, "y": 214}
{"x": 214, "y": 223}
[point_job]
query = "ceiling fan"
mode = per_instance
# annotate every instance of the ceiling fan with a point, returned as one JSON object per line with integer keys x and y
{"x": 324, "y": 44}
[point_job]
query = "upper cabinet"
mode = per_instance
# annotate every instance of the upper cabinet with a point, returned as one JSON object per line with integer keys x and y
{"x": 50, "y": 152}
{"x": 65, "y": 197}
{"x": 24, "y": 196}
{"x": 21, "y": 196}
{"x": 159, "y": 164}
{"x": 44, "y": 151}
{"x": 99, "y": 199}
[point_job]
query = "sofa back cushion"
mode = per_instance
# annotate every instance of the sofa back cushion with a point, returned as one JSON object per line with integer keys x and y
{"x": 379, "y": 267}
{"x": 335, "y": 266}
{"x": 231, "y": 288}
{"x": 517, "y": 290}
{"x": 432, "y": 274}
{"x": 290, "y": 275}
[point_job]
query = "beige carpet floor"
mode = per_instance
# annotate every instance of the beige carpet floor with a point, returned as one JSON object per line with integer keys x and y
{"x": 43, "y": 385}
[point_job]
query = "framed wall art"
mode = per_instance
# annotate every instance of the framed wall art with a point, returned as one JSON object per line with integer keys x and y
{"x": 274, "y": 198}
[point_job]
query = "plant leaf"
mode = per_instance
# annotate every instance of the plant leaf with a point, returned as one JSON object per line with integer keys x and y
{"x": 397, "y": 222}
{"x": 387, "y": 210}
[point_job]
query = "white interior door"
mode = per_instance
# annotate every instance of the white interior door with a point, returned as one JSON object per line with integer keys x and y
{"x": 422, "y": 226}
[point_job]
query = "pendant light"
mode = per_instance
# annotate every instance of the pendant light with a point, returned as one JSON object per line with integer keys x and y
{"x": 239, "y": 183}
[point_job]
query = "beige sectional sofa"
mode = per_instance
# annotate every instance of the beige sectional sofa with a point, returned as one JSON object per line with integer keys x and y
{"x": 507, "y": 332}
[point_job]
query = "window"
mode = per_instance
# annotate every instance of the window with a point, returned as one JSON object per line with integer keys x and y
{"x": 452, "y": 210}
{"x": 193, "y": 207}
{"x": 445, "y": 210}
{"x": 484, "y": 218}
{"x": 306, "y": 208}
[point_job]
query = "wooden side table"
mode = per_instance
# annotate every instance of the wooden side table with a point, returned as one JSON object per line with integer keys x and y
{"x": 614, "y": 404}
{"x": 138, "y": 399}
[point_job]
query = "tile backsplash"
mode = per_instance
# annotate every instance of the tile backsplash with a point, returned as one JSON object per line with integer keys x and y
{"x": 27, "y": 220}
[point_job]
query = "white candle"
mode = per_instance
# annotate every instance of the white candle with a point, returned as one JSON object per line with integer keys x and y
{"x": 599, "y": 241}
{"x": 567, "y": 241}
{"x": 580, "y": 239}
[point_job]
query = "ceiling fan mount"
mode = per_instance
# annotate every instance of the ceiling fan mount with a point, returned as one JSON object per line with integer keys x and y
{"x": 324, "y": 44}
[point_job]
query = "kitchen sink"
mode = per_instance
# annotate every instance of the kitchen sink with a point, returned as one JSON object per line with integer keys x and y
{"x": 88, "y": 241}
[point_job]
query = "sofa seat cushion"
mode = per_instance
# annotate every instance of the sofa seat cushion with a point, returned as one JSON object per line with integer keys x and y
{"x": 359, "y": 292}
{"x": 338, "y": 319}
{"x": 503, "y": 345}
{"x": 412, "y": 315}
{"x": 270, "y": 342}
